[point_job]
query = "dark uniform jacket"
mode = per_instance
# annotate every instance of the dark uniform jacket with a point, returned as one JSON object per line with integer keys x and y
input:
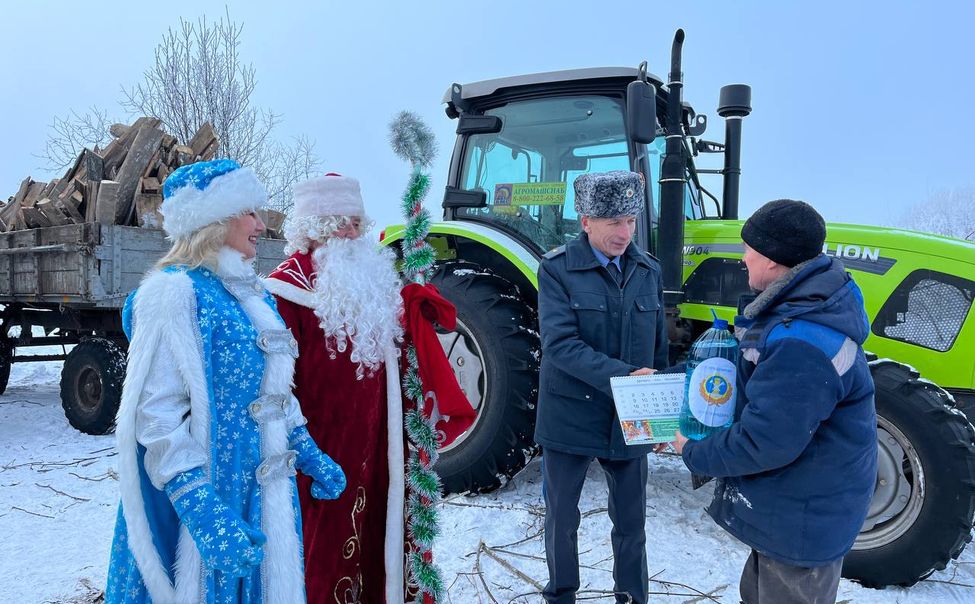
{"x": 797, "y": 468}
{"x": 592, "y": 329}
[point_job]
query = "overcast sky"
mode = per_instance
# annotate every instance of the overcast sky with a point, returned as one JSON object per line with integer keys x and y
{"x": 860, "y": 108}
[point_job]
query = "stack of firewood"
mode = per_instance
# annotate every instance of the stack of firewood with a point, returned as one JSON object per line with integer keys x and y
{"x": 121, "y": 184}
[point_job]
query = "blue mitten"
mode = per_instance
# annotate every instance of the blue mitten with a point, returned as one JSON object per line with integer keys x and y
{"x": 328, "y": 480}
{"x": 226, "y": 542}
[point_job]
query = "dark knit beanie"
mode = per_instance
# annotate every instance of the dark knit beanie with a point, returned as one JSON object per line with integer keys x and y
{"x": 785, "y": 231}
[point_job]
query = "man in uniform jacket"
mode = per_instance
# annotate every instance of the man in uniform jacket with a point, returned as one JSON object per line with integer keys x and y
{"x": 600, "y": 304}
{"x": 797, "y": 468}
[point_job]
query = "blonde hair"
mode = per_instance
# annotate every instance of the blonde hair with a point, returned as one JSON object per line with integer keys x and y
{"x": 303, "y": 231}
{"x": 199, "y": 248}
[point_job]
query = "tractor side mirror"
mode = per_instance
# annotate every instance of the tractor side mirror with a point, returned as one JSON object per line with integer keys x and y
{"x": 641, "y": 111}
{"x": 455, "y": 197}
{"x": 478, "y": 124}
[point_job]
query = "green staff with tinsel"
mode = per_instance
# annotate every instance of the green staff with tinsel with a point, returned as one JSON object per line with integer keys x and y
{"x": 438, "y": 409}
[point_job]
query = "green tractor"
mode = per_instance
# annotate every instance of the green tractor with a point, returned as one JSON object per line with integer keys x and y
{"x": 522, "y": 140}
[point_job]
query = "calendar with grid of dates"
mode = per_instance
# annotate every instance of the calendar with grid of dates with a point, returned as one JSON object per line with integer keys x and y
{"x": 648, "y": 406}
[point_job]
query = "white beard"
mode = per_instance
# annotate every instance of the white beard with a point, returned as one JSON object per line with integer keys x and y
{"x": 358, "y": 300}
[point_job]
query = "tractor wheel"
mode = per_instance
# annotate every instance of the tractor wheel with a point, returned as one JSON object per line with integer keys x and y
{"x": 6, "y": 358}
{"x": 923, "y": 506}
{"x": 91, "y": 385}
{"x": 494, "y": 352}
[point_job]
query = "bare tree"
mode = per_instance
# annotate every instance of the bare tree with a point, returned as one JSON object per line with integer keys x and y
{"x": 946, "y": 212}
{"x": 198, "y": 77}
{"x": 72, "y": 133}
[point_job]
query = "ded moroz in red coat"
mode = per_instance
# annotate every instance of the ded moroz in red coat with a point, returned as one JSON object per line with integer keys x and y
{"x": 348, "y": 553}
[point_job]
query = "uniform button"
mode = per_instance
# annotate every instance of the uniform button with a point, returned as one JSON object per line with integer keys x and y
{"x": 588, "y": 397}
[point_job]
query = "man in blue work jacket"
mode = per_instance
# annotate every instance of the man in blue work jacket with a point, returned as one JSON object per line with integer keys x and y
{"x": 601, "y": 312}
{"x": 796, "y": 471}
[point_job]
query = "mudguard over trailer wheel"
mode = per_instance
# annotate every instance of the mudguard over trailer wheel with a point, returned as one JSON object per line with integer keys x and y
{"x": 923, "y": 507}
{"x": 494, "y": 323}
{"x": 91, "y": 385}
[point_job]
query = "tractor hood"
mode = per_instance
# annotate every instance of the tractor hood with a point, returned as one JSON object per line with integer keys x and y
{"x": 852, "y": 243}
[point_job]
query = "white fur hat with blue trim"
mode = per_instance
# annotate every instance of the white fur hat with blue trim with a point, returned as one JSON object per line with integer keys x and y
{"x": 203, "y": 193}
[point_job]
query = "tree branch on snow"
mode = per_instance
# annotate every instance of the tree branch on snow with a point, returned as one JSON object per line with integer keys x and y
{"x": 46, "y": 486}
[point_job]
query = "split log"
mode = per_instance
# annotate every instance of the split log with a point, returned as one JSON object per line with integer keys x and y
{"x": 203, "y": 138}
{"x": 211, "y": 151}
{"x": 147, "y": 210}
{"x": 163, "y": 174}
{"x": 33, "y": 194}
{"x": 116, "y": 151}
{"x": 118, "y": 130}
{"x": 70, "y": 211}
{"x": 182, "y": 155}
{"x": 150, "y": 184}
{"x": 51, "y": 212}
{"x": 91, "y": 195}
{"x": 33, "y": 218}
{"x": 146, "y": 143}
{"x": 22, "y": 191}
{"x": 273, "y": 219}
{"x": 105, "y": 203}
{"x": 9, "y": 214}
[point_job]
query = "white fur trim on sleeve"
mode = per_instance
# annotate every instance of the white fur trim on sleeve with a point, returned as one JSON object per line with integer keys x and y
{"x": 164, "y": 311}
{"x": 396, "y": 493}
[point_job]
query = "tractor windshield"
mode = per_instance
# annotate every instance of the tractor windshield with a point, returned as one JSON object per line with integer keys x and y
{"x": 527, "y": 169}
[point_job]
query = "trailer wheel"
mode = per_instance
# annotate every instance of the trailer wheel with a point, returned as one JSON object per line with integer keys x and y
{"x": 91, "y": 385}
{"x": 923, "y": 506}
{"x": 494, "y": 353}
{"x": 6, "y": 358}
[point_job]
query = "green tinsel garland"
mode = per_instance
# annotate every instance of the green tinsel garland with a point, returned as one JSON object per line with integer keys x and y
{"x": 412, "y": 140}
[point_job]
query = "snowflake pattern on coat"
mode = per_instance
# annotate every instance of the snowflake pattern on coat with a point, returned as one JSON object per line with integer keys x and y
{"x": 234, "y": 367}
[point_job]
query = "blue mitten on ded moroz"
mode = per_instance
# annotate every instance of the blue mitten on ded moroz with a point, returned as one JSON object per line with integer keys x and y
{"x": 226, "y": 542}
{"x": 328, "y": 479}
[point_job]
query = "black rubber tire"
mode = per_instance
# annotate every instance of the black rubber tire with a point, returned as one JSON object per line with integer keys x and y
{"x": 6, "y": 355}
{"x": 943, "y": 441}
{"x": 501, "y": 442}
{"x": 91, "y": 385}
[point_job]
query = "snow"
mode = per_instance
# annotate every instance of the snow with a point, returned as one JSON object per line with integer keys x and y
{"x": 59, "y": 494}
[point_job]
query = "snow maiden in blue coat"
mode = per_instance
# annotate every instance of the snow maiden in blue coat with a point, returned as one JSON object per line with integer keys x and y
{"x": 209, "y": 434}
{"x": 797, "y": 468}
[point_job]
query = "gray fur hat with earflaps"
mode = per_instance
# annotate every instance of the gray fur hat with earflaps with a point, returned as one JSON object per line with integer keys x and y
{"x": 609, "y": 194}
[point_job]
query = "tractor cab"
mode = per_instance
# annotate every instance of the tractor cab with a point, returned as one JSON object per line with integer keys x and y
{"x": 522, "y": 142}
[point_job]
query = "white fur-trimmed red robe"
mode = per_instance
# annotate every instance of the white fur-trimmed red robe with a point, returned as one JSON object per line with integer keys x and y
{"x": 354, "y": 546}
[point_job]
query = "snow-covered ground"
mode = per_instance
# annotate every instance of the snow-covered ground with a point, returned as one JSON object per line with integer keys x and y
{"x": 58, "y": 498}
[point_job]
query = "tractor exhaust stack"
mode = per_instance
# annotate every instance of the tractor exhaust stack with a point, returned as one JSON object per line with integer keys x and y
{"x": 734, "y": 103}
{"x": 672, "y": 182}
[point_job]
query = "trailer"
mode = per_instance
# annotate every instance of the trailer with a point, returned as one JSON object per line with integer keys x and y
{"x": 65, "y": 286}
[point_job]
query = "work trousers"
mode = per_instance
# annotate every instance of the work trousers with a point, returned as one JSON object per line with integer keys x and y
{"x": 563, "y": 475}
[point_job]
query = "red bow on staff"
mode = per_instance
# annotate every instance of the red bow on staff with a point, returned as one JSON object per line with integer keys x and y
{"x": 424, "y": 306}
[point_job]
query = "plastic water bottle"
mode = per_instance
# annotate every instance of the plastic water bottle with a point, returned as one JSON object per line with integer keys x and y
{"x": 711, "y": 387}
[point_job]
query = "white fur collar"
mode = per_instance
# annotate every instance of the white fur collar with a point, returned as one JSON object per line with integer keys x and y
{"x": 231, "y": 263}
